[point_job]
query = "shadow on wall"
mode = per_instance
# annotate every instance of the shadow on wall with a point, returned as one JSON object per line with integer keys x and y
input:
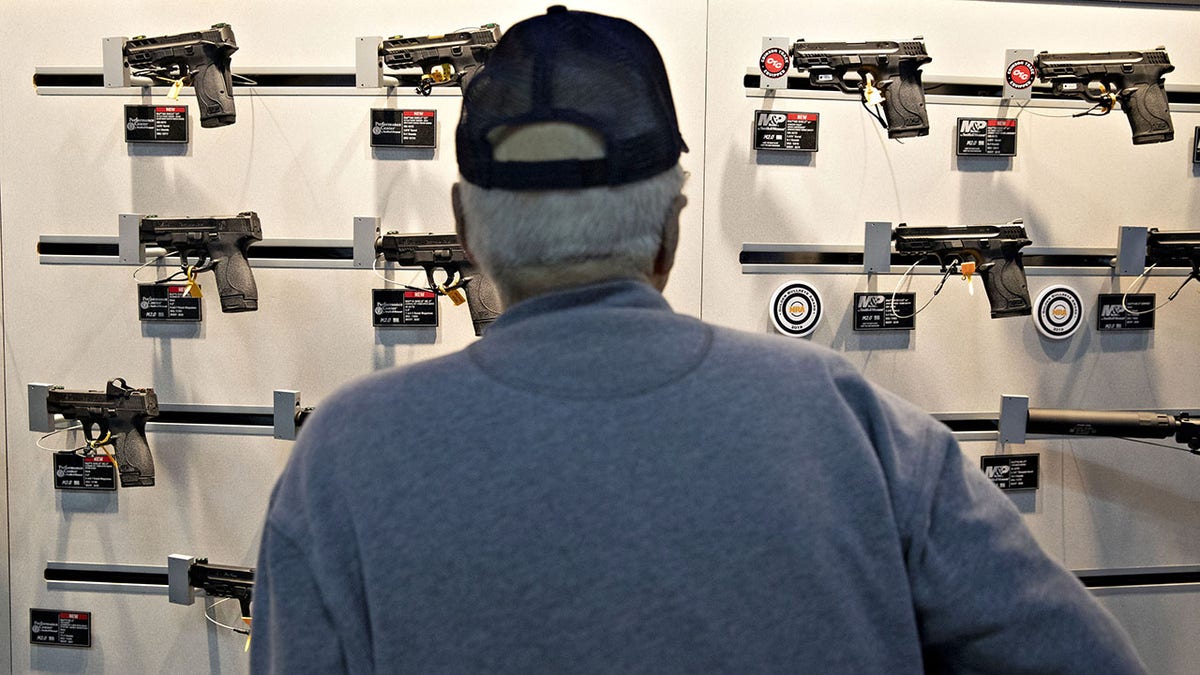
{"x": 781, "y": 158}
{"x": 846, "y": 339}
{"x": 389, "y": 340}
{"x": 401, "y": 178}
{"x": 159, "y": 150}
{"x": 1121, "y": 490}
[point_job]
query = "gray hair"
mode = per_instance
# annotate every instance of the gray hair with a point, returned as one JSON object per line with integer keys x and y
{"x": 511, "y": 230}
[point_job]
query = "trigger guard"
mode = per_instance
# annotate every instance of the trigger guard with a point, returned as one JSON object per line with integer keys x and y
{"x": 88, "y": 427}
{"x": 204, "y": 261}
{"x": 448, "y": 282}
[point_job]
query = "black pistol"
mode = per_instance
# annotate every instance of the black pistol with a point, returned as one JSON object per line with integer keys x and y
{"x": 217, "y": 243}
{"x": 1135, "y": 79}
{"x": 995, "y": 250}
{"x": 200, "y": 59}
{"x": 892, "y": 68}
{"x": 113, "y": 417}
{"x": 443, "y": 251}
{"x": 444, "y": 60}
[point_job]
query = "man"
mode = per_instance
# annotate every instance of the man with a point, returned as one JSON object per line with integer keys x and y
{"x": 602, "y": 485}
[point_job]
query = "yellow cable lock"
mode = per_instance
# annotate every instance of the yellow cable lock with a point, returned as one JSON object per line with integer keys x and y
{"x": 193, "y": 286}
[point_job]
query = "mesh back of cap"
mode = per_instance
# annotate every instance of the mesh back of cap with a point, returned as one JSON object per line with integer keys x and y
{"x": 597, "y": 71}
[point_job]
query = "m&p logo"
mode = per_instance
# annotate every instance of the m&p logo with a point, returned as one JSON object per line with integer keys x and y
{"x": 998, "y": 472}
{"x": 772, "y": 120}
{"x": 868, "y": 301}
{"x": 972, "y": 127}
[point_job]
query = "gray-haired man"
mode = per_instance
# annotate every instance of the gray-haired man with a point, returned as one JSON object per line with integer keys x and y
{"x": 631, "y": 489}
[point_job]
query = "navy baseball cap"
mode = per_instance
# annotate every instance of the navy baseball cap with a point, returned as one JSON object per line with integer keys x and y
{"x": 596, "y": 71}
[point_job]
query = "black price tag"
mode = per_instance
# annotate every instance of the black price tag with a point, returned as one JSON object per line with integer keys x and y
{"x": 1196, "y": 148}
{"x": 60, "y": 627}
{"x": 986, "y": 137}
{"x": 156, "y": 124}
{"x": 403, "y": 128}
{"x": 878, "y": 311}
{"x": 781, "y": 130}
{"x": 76, "y": 472}
{"x": 1111, "y": 316}
{"x": 1011, "y": 472}
{"x": 167, "y": 302}
{"x": 403, "y": 308}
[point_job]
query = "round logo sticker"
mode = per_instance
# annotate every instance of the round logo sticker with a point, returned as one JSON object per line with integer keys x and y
{"x": 773, "y": 63}
{"x": 1020, "y": 74}
{"x": 796, "y": 309}
{"x": 1058, "y": 312}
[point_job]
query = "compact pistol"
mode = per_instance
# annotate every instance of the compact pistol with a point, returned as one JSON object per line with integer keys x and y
{"x": 891, "y": 68}
{"x": 217, "y": 243}
{"x": 1175, "y": 247}
{"x": 1135, "y": 79}
{"x": 115, "y": 416}
{"x": 200, "y": 59}
{"x": 443, "y": 251}
{"x": 995, "y": 250}
{"x": 449, "y": 59}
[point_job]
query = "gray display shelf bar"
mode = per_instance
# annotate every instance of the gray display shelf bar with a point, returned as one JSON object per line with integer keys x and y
{"x": 268, "y": 81}
{"x": 983, "y": 91}
{"x": 281, "y": 419}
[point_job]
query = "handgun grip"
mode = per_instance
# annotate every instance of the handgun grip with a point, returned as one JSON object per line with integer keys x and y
{"x": 129, "y": 447}
{"x": 482, "y": 299}
{"x": 1149, "y": 117}
{"x": 213, "y": 83}
{"x": 904, "y": 103}
{"x": 1007, "y": 290}
{"x": 235, "y": 281}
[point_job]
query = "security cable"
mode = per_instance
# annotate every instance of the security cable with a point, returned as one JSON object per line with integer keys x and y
{"x": 1142, "y": 278}
{"x": 948, "y": 270}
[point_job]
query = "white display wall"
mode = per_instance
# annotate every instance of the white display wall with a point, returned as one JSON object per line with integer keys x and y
{"x": 302, "y": 161}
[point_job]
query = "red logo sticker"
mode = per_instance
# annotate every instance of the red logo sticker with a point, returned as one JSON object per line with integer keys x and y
{"x": 773, "y": 63}
{"x": 1020, "y": 74}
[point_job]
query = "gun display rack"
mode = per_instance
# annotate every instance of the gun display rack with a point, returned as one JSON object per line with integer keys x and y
{"x": 876, "y": 257}
{"x": 948, "y": 89}
{"x": 366, "y": 78}
{"x": 125, "y": 248}
{"x": 171, "y": 579}
{"x": 281, "y": 419}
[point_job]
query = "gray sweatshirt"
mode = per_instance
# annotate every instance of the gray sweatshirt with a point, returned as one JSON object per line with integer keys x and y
{"x": 602, "y": 485}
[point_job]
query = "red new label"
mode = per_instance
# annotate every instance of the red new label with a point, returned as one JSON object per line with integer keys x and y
{"x": 801, "y": 117}
{"x": 419, "y": 294}
{"x": 170, "y": 109}
{"x": 97, "y": 459}
{"x": 1002, "y": 123}
{"x": 72, "y": 615}
{"x": 417, "y": 113}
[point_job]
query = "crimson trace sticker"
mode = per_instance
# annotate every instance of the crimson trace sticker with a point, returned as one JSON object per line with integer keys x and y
{"x": 796, "y": 309}
{"x": 1058, "y": 312}
{"x": 773, "y": 63}
{"x": 1020, "y": 74}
